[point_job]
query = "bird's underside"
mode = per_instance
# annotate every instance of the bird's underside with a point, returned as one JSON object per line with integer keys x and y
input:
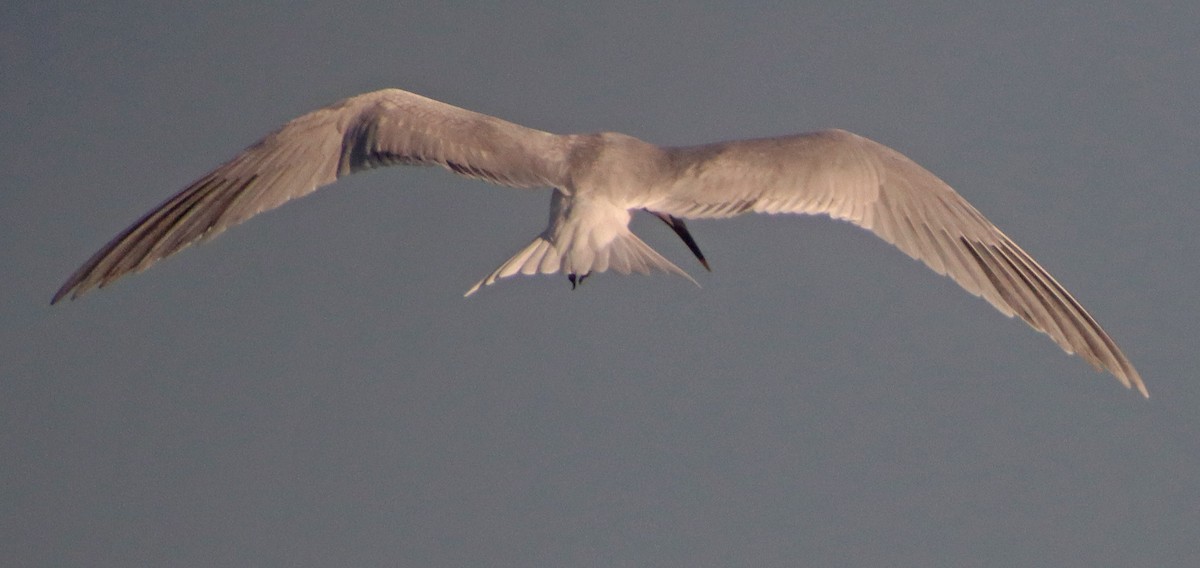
{"x": 598, "y": 180}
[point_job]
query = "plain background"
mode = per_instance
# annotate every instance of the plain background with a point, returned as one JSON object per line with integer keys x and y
{"x": 311, "y": 389}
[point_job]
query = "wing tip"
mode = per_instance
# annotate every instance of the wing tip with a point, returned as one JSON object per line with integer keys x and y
{"x": 1134, "y": 381}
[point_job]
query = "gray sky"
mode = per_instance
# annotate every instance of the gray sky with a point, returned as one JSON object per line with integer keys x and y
{"x": 312, "y": 389}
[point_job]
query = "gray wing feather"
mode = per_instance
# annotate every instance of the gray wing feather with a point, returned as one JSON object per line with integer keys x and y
{"x": 388, "y": 127}
{"x": 852, "y": 178}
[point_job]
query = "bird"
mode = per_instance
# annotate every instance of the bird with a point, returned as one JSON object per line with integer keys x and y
{"x": 598, "y": 181}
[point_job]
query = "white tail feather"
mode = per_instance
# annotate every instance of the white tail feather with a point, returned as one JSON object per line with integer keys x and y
{"x": 625, "y": 254}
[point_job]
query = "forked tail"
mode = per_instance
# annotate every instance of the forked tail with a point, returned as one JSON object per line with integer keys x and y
{"x": 625, "y": 253}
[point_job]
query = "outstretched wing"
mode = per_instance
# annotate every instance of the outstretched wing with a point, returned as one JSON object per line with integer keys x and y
{"x": 382, "y": 128}
{"x": 852, "y": 178}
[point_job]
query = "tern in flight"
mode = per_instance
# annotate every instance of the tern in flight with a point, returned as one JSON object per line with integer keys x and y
{"x": 598, "y": 180}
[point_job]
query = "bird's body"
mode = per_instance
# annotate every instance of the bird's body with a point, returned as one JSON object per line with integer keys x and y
{"x": 598, "y": 180}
